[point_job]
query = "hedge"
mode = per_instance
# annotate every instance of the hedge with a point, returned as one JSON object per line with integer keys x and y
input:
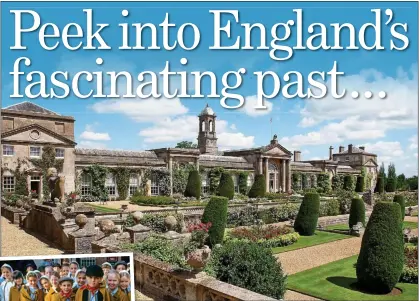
{"x": 357, "y": 212}
{"x": 381, "y": 258}
{"x": 258, "y": 188}
{"x": 193, "y": 187}
{"x": 308, "y": 215}
{"x": 399, "y": 199}
{"x": 360, "y": 184}
{"x": 226, "y": 186}
{"x": 380, "y": 185}
{"x": 348, "y": 182}
{"x": 216, "y": 213}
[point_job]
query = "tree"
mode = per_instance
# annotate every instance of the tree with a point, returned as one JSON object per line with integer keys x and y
{"x": 308, "y": 214}
{"x": 258, "y": 188}
{"x": 413, "y": 182}
{"x": 193, "y": 187}
{"x": 382, "y": 171}
{"x": 216, "y": 213}
{"x": 381, "y": 258}
{"x": 357, "y": 212}
{"x": 226, "y": 186}
{"x": 186, "y": 144}
{"x": 402, "y": 182}
{"x": 391, "y": 174}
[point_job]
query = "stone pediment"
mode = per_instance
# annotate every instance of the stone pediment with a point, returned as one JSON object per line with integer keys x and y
{"x": 370, "y": 163}
{"x": 277, "y": 150}
{"x": 35, "y": 134}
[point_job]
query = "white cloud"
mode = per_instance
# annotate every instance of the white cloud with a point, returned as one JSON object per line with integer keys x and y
{"x": 88, "y": 135}
{"x": 233, "y": 127}
{"x": 398, "y": 110}
{"x": 413, "y": 142}
{"x": 173, "y": 130}
{"x": 91, "y": 144}
{"x": 385, "y": 149}
{"x": 142, "y": 110}
{"x": 249, "y": 107}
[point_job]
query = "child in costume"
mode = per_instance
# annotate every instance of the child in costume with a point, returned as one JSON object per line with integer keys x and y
{"x": 74, "y": 266}
{"x": 80, "y": 280}
{"x": 66, "y": 290}
{"x": 94, "y": 290}
{"x": 17, "y": 286}
{"x": 113, "y": 286}
{"x": 124, "y": 283}
{"x": 46, "y": 284}
{"x": 55, "y": 277}
{"x": 7, "y": 284}
{"x": 65, "y": 270}
{"x": 106, "y": 267}
{"x": 56, "y": 267}
{"x": 31, "y": 291}
{"x": 121, "y": 266}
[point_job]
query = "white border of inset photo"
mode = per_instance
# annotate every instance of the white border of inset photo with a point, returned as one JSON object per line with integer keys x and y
{"x": 93, "y": 255}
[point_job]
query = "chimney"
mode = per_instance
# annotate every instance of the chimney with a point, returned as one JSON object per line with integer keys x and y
{"x": 331, "y": 153}
{"x": 362, "y": 147}
{"x": 297, "y": 156}
{"x": 341, "y": 149}
{"x": 350, "y": 149}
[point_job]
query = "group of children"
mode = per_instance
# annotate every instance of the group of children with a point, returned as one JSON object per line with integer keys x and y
{"x": 67, "y": 282}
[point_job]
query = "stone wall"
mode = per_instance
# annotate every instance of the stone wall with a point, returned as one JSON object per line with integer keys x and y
{"x": 12, "y": 214}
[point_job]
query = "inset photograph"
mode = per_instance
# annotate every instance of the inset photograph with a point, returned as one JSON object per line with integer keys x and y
{"x": 89, "y": 277}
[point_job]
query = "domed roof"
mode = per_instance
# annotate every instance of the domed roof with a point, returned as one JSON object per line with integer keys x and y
{"x": 207, "y": 111}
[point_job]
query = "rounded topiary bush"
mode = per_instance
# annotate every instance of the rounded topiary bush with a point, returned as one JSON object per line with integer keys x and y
{"x": 216, "y": 213}
{"x": 193, "y": 187}
{"x": 348, "y": 182}
{"x": 250, "y": 266}
{"x": 380, "y": 260}
{"x": 360, "y": 184}
{"x": 399, "y": 199}
{"x": 357, "y": 212}
{"x": 308, "y": 214}
{"x": 379, "y": 187}
{"x": 226, "y": 186}
{"x": 258, "y": 188}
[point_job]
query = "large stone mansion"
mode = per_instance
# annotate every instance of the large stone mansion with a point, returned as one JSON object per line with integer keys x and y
{"x": 27, "y": 127}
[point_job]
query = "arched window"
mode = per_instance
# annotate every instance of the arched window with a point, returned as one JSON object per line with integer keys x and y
{"x": 210, "y": 126}
{"x": 86, "y": 184}
{"x": 273, "y": 167}
{"x": 203, "y": 126}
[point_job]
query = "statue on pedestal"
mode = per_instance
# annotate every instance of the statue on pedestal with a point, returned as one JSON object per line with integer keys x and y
{"x": 55, "y": 184}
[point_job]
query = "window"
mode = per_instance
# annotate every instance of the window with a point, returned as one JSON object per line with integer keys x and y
{"x": 236, "y": 183}
{"x": 59, "y": 127}
{"x": 8, "y": 184}
{"x": 205, "y": 184}
{"x": 133, "y": 184}
{"x": 59, "y": 153}
{"x": 85, "y": 262}
{"x": 110, "y": 184}
{"x": 346, "y": 158}
{"x": 86, "y": 184}
{"x": 35, "y": 151}
{"x": 250, "y": 180}
{"x": 154, "y": 185}
{"x": 8, "y": 150}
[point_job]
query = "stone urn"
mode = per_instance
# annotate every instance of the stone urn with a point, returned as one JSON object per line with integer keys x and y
{"x": 198, "y": 258}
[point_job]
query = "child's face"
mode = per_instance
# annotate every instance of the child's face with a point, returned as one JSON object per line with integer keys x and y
{"x": 45, "y": 284}
{"x": 94, "y": 281}
{"x": 54, "y": 281}
{"x": 64, "y": 271}
{"x": 120, "y": 268}
{"x": 81, "y": 279}
{"x": 32, "y": 281}
{"x": 66, "y": 286}
{"x": 56, "y": 269}
{"x": 73, "y": 268}
{"x": 48, "y": 271}
{"x": 19, "y": 281}
{"x": 124, "y": 282}
{"x": 112, "y": 281}
{"x": 105, "y": 270}
{"x": 28, "y": 269}
{"x": 6, "y": 273}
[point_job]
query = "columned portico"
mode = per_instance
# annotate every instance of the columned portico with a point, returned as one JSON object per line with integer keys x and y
{"x": 277, "y": 174}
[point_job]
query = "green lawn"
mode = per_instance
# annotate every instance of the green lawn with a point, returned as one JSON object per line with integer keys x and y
{"x": 332, "y": 282}
{"x": 406, "y": 224}
{"x": 103, "y": 209}
{"x": 320, "y": 237}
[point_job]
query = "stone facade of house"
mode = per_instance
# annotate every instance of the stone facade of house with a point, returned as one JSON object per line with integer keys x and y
{"x": 27, "y": 127}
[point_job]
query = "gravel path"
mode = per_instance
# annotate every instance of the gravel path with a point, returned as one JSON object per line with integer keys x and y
{"x": 310, "y": 257}
{"x": 17, "y": 242}
{"x": 291, "y": 296}
{"x": 411, "y": 219}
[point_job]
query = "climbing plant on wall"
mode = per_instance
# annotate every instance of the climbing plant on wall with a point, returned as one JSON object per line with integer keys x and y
{"x": 323, "y": 182}
{"x": 162, "y": 176}
{"x": 337, "y": 182}
{"x": 122, "y": 175}
{"x": 296, "y": 181}
{"x": 304, "y": 181}
{"x": 313, "y": 181}
{"x": 21, "y": 185}
{"x": 214, "y": 175}
{"x": 180, "y": 176}
{"x": 46, "y": 161}
{"x": 98, "y": 174}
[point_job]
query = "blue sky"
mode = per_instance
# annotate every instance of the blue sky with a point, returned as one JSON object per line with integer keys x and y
{"x": 387, "y": 126}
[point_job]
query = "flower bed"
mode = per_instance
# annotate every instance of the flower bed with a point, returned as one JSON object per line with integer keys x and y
{"x": 269, "y": 236}
{"x": 410, "y": 269}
